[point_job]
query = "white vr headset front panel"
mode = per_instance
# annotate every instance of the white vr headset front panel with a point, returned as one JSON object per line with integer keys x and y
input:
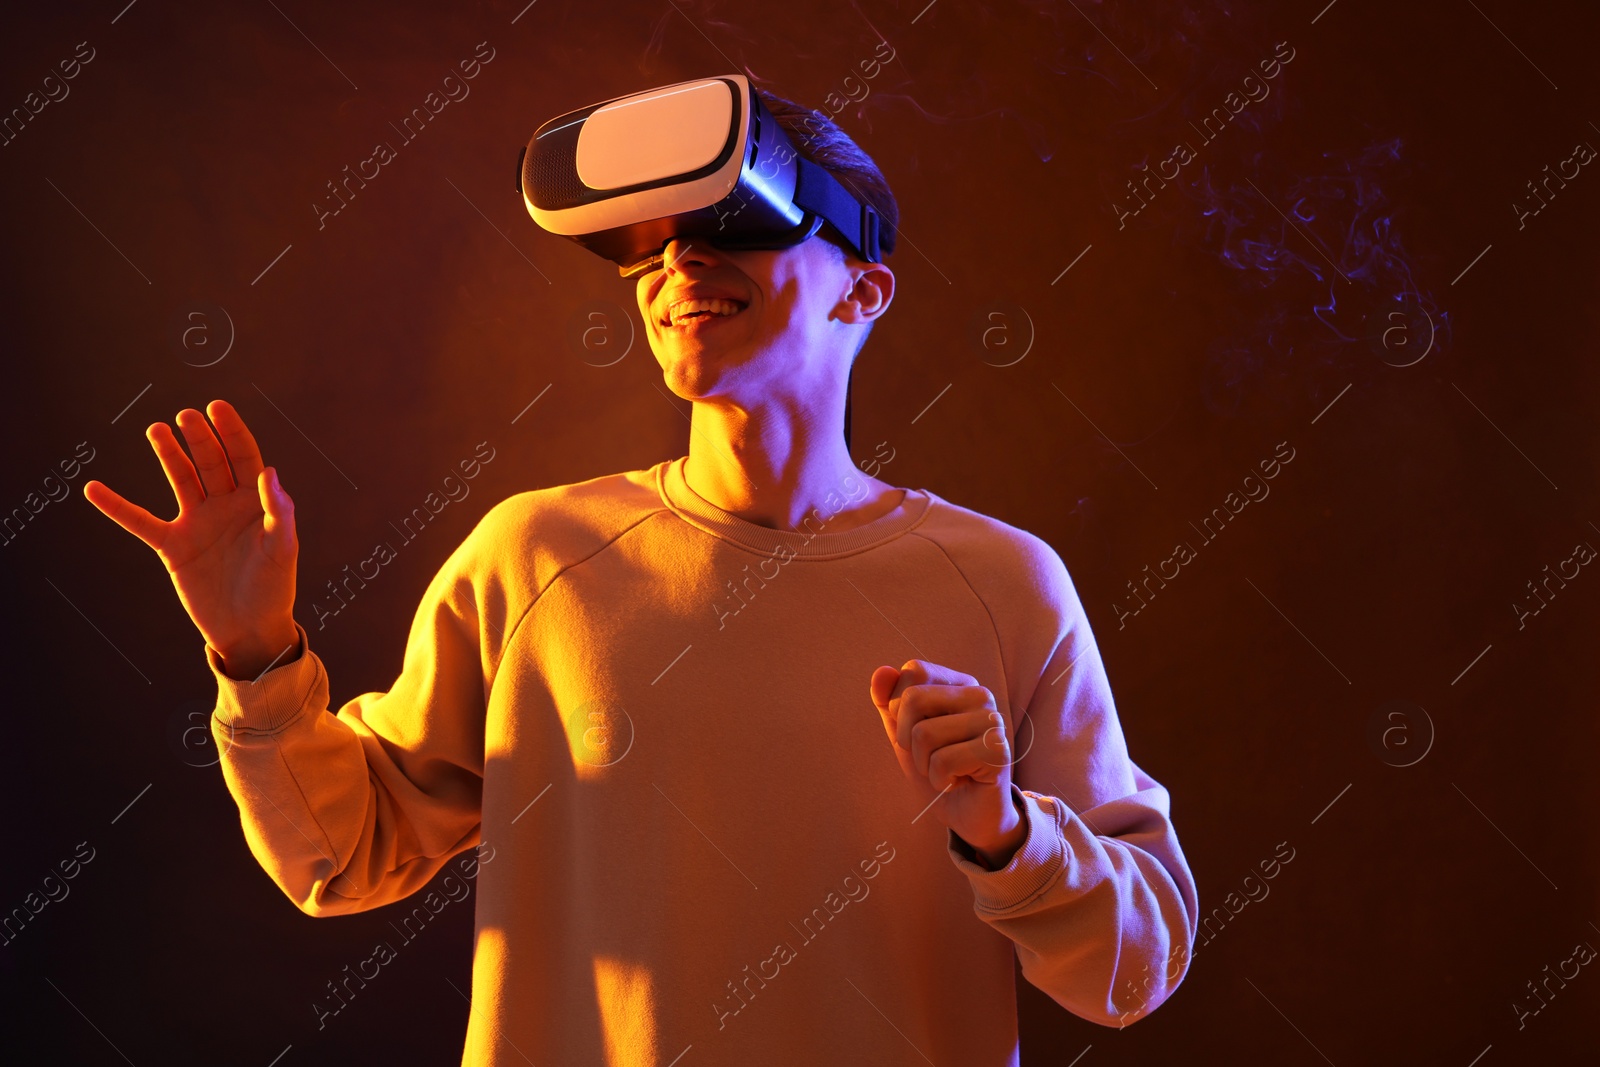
{"x": 651, "y": 136}
{"x": 702, "y": 158}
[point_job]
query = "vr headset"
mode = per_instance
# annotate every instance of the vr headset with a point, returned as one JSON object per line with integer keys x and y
{"x": 701, "y": 159}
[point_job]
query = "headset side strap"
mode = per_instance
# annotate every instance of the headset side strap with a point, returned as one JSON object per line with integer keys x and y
{"x": 819, "y": 192}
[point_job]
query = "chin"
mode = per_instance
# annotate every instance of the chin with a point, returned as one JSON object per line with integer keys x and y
{"x": 687, "y": 375}
{"x": 678, "y": 350}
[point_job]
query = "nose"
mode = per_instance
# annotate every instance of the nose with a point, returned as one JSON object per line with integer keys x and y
{"x": 684, "y": 250}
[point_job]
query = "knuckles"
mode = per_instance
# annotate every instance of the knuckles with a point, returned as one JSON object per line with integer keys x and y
{"x": 912, "y": 703}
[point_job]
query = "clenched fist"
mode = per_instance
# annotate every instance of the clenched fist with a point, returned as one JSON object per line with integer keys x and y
{"x": 951, "y": 741}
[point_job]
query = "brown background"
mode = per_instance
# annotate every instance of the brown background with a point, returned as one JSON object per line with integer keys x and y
{"x": 1175, "y": 354}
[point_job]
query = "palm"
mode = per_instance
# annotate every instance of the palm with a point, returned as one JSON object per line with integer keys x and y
{"x": 216, "y": 554}
{"x": 231, "y": 560}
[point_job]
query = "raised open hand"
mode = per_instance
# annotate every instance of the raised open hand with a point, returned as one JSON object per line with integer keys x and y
{"x": 231, "y": 551}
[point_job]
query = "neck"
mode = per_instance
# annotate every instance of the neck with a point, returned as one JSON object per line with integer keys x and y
{"x": 775, "y": 467}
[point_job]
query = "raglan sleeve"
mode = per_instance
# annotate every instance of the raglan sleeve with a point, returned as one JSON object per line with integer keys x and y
{"x": 351, "y": 809}
{"x": 1099, "y": 899}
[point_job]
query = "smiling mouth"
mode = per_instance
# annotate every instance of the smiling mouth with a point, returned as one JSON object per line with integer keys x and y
{"x": 695, "y": 313}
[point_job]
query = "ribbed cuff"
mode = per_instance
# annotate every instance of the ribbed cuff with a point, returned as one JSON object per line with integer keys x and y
{"x": 1036, "y": 864}
{"x": 270, "y": 702}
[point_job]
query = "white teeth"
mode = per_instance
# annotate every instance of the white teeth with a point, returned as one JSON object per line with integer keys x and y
{"x": 679, "y": 308}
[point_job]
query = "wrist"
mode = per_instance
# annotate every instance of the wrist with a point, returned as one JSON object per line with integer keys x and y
{"x": 250, "y": 658}
{"x": 1014, "y": 833}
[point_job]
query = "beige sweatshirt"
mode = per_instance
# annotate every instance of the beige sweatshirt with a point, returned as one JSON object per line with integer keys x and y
{"x": 647, "y": 723}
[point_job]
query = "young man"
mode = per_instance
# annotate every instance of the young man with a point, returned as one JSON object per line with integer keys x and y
{"x": 713, "y": 823}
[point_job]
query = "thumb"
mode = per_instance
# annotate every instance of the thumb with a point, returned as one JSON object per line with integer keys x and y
{"x": 883, "y": 683}
{"x": 884, "y": 680}
{"x": 278, "y": 520}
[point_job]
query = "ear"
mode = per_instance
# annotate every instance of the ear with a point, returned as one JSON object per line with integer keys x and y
{"x": 871, "y": 291}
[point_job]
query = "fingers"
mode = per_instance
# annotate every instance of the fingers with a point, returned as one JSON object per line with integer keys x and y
{"x": 931, "y": 735}
{"x": 920, "y": 671}
{"x": 126, "y": 514}
{"x": 237, "y": 440}
{"x": 912, "y": 673}
{"x": 207, "y": 453}
{"x": 918, "y": 703}
{"x": 968, "y": 759}
{"x": 180, "y": 472}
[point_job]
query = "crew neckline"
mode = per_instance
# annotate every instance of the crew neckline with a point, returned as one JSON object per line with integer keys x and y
{"x": 812, "y": 541}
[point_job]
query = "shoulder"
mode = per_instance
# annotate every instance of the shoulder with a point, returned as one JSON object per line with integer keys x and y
{"x": 568, "y": 521}
{"x": 999, "y": 560}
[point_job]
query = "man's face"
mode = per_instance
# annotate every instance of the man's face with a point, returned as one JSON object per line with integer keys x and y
{"x": 797, "y": 317}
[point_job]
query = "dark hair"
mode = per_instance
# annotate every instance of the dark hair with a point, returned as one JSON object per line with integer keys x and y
{"x": 819, "y": 139}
